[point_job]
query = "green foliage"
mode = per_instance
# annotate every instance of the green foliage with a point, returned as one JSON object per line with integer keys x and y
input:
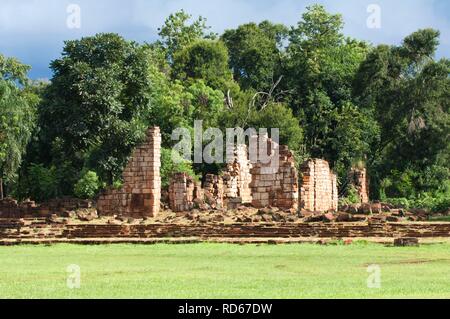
{"x": 352, "y": 197}
{"x": 117, "y": 184}
{"x": 17, "y": 116}
{"x": 434, "y": 203}
{"x": 320, "y": 66}
{"x": 87, "y": 186}
{"x": 172, "y": 162}
{"x": 278, "y": 115}
{"x": 204, "y": 103}
{"x": 176, "y": 33}
{"x": 255, "y": 53}
{"x": 41, "y": 182}
{"x": 99, "y": 101}
{"x": 206, "y": 60}
{"x": 408, "y": 91}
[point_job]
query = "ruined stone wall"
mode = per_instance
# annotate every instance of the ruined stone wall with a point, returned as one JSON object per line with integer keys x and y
{"x": 275, "y": 185}
{"x": 359, "y": 179}
{"x": 181, "y": 192}
{"x": 213, "y": 191}
{"x": 318, "y": 186}
{"x": 10, "y": 208}
{"x": 140, "y": 194}
{"x": 237, "y": 179}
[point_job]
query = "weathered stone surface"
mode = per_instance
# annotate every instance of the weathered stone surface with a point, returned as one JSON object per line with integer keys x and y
{"x": 183, "y": 192}
{"x": 359, "y": 179}
{"x": 318, "y": 186}
{"x": 10, "y": 208}
{"x": 213, "y": 189}
{"x": 19, "y": 230}
{"x": 140, "y": 194}
{"x": 237, "y": 179}
{"x": 275, "y": 184}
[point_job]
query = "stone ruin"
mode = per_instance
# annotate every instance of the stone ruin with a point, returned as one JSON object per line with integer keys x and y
{"x": 237, "y": 179}
{"x": 275, "y": 187}
{"x": 213, "y": 191}
{"x": 140, "y": 194}
{"x": 318, "y": 191}
{"x": 359, "y": 179}
{"x": 260, "y": 185}
{"x": 183, "y": 192}
{"x": 10, "y": 208}
{"x": 242, "y": 183}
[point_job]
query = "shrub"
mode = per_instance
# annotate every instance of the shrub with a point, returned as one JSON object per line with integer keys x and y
{"x": 41, "y": 182}
{"x": 398, "y": 202}
{"x": 88, "y": 185}
{"x": 169, "y": 166}
{"x": 432, "y": 203}
{"x": 351, "y": 198}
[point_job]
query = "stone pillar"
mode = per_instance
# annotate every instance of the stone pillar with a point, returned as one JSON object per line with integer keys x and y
{"x": 318, "y": 190}
{"x": 275, "y": 186}
{"x": 181, "y": 192}
{"x": 237, "y": 179}
{"x": 140, "y": 194}
{"x": 213, "y": 190}
{"x": 359, "y": 179}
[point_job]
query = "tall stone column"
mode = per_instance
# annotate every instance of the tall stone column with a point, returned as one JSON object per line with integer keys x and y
{"x": 140, "y": 195}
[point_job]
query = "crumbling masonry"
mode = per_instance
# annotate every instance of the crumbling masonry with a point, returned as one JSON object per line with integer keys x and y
{"x": 275, "y": 186}
{"x": 358, "y": 178}
{"x": 318, "y": 192}
{"x": 140, "y": 194}
{"x": 259, "y": 184}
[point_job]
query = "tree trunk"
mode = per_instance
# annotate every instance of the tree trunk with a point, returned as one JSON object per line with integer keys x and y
{"x": 1, "y": 188}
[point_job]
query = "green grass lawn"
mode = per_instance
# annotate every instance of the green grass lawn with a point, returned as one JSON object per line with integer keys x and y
{"x": 225, "y": 271}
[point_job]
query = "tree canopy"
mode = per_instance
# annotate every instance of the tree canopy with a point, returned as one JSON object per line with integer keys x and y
{"x": 17, "y": 117}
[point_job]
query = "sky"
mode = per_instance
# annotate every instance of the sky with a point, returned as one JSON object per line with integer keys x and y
{"x": 34, "y": 30}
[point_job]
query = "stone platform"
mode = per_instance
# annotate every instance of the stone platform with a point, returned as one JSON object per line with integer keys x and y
{"x": 39, "y": 231}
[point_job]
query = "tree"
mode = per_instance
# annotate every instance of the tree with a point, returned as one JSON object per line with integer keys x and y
{"x": 409, "y": 92}
{"x": 176, "y": 33}
{"x": 98, "y": 102}
{"x": 205, "y": 60}
{"x": 255, "y": 53}
{"x": 320, "y": 67}
{"x": 17, "y": 117}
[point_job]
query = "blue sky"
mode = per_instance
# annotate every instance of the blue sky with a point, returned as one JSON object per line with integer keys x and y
{"x": 34, "y": 30}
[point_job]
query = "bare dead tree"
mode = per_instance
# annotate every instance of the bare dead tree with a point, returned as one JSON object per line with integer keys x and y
{"x": 229, "y": 100}
{"x": 268, "y": 96}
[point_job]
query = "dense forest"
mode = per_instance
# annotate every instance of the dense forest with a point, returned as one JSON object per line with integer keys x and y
{"x": 383, "y": 107}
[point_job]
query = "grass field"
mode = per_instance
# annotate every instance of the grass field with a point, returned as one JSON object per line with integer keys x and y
{"x": 225, "y": 271}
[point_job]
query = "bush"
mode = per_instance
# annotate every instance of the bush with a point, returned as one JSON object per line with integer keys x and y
{"x": 433, "y": 203}
{"x": 351, "y": 198}
{"x": 169, "y": 167}
{"x": 41, "y": 183}
{"x": 398, "y": 202}
{"x": 88, "y": 185}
